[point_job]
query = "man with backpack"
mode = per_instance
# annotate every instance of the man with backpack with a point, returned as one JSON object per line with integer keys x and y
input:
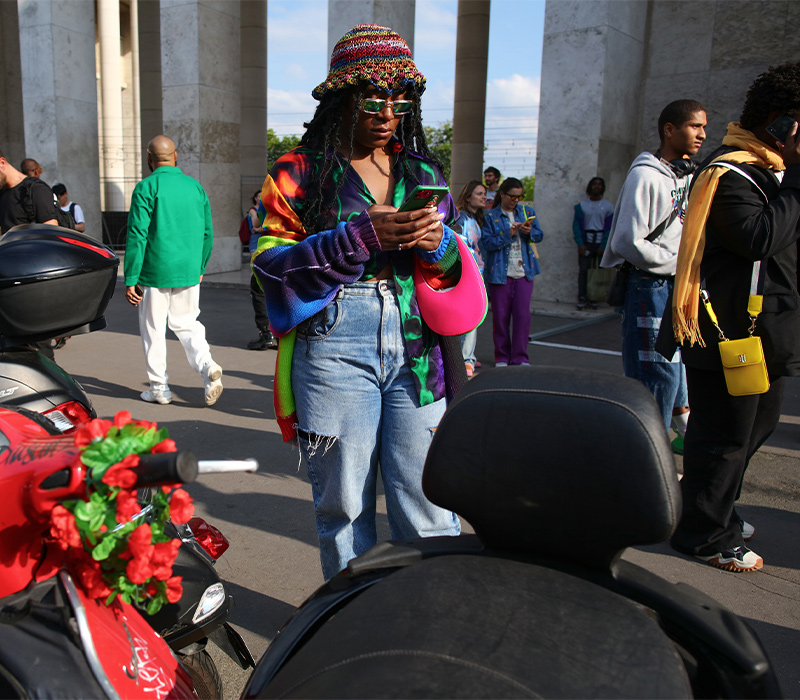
{"x": 23, "y": 200}
{"x": 73, "y": 211}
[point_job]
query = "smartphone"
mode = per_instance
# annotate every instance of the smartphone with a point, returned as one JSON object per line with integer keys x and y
{"x": 781, "y": 127}
{"x": 529, "y": 219}
{"x": 424, "y": 195}
{"x": 138, "y": 289}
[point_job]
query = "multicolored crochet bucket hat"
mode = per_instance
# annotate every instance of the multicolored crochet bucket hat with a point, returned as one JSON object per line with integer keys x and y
{"x": 371, "y": 53}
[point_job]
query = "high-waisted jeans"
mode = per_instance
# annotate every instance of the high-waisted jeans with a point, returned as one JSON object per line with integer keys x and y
{"x": 357, "y": 408}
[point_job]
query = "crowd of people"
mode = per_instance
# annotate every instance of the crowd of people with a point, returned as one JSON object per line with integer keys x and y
{"x": 361, "y": 379}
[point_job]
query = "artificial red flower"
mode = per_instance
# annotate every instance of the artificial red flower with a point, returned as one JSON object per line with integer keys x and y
{"x": 139, "y": 542}
{"x": 90, "y": 576}
{"x": 64, "y": 529}
{"x": 164, "y": 446}
{"x": 121, "y": 474}
{"x": 174, "y": 589}
{"x": 163, "y": 558}
{"x": 169, "y": 488}
{"x": 180, "y": 506}
{"x": 139, "y": 570}
{"x": 122, "y": 418}
{"x": 93, "y": 431}
{"x": 127, "y": 506}
{"x": 151, "y": 589}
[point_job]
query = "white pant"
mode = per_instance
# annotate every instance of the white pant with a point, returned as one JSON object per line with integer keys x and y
{"x": 179, "y": 307}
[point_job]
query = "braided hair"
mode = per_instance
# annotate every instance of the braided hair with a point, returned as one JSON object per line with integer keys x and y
{"x": 324, "y": 134}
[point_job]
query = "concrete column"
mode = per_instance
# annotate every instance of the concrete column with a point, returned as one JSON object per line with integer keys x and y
{"x": 201, "y": 86}
{"x": 592, "y": 74}
{"x": 253, "y": 131}
{"x": 56, "y": 42}
{"x": 12, "y": 130}
{"x": 150, "y": 112}
{"x": 343, "y": 15}
{"x": 111, "y": 90}
{"x": 469, "y": 105}
{"x": 135, "y": 86}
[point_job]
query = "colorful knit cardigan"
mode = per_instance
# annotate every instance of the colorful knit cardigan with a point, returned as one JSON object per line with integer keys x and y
{"x": 301, "y": 273}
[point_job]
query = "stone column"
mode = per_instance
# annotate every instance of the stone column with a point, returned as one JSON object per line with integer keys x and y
{"x": 253, "y": 132}
{"x": 592, "y": 73}
{"x": 343, "y": 15}
{"x": 111, "y": 91}
{"x": 12, "y": 131}
{"x": 150, "y": 113}
{"x": 469, "y": 106}
{"x": 59, "y": 110}
{"x": 201, "y": 83}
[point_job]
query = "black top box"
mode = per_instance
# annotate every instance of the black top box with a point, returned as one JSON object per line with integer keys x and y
{"x": 53, "y": 282}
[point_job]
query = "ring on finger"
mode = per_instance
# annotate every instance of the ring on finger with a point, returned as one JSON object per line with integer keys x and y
{"x": 399, "y": 246}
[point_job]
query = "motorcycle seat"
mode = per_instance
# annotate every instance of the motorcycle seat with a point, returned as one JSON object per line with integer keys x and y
{"x": 569, "y": 464}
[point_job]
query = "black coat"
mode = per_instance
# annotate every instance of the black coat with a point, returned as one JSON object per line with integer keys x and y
{"x": 741, "y": 229}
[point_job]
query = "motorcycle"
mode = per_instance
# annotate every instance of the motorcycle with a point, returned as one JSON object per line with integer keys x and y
{"x": 56, "y": 282}
{"x": 558, "y": 471}
{"x": 60, "y": 638}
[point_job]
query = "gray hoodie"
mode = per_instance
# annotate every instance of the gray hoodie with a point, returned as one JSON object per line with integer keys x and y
{"x": 649, "y": 195}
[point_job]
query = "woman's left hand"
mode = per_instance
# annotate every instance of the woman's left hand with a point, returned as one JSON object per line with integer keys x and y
{"x": 432, "y": 238}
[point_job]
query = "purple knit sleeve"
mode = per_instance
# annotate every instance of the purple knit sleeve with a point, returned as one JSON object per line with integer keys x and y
{"x": 301, "y": 279}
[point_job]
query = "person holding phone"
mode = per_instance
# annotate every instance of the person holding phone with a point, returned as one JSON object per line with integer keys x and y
{"x": 742, "y": 224}
{"x": 470, "y": 204}
{"x": 509, "y": 234}
{"x": 359, "y": 378}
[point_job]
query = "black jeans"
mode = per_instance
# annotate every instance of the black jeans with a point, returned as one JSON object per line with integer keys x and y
{"x": 584, "y": 263}
{"x": 724, "y": 432}
{"x": 259, "y": 304}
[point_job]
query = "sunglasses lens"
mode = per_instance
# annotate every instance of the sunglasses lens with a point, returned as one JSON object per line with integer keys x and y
{"x": 373, "y": 106}
{"x": 402, "y": 106}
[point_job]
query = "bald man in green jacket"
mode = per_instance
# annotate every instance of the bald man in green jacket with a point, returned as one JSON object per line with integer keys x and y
{"x": 168, "y": 246}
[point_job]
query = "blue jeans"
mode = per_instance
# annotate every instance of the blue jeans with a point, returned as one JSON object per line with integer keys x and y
{"x": 645, "y": 302}
{"x": 468, "y": 343}
{"x": 357, "y": 408}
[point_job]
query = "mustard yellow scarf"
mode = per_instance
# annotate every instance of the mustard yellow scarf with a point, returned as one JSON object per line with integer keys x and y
{"x": 686, "y": 298}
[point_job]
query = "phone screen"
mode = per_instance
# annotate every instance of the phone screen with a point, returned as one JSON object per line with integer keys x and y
{"x": 781, "y": 127}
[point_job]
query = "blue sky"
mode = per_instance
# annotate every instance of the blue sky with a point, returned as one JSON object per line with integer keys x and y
{"x": 298, "y": 61}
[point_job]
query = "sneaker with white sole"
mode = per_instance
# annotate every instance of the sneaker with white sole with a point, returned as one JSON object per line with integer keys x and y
{"x": 738, "y": 560}
{"x": 212, "y": 375}
{"x": 157, "y": 393}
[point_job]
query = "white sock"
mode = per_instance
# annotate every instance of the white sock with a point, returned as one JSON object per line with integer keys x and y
{"x": 679, "y": 421}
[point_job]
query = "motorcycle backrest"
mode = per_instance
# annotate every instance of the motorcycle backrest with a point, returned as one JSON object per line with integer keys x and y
{"x": 573, "y": 465}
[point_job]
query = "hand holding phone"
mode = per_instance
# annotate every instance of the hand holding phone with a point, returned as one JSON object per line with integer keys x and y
{"x": 780, "y": 128}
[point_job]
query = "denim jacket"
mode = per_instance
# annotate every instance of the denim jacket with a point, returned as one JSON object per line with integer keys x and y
{"x": 496, "y": 239}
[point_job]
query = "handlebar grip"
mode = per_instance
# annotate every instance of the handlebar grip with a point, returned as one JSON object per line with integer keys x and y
{"x": 166, "y": 468}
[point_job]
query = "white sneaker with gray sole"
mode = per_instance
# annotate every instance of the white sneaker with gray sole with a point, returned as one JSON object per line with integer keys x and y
{"x": 212, "y": 379}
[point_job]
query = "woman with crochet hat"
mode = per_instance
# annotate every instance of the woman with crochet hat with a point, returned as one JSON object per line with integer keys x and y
{"x": 359, "y": 379}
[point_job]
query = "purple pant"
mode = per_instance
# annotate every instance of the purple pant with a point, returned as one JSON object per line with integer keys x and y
{"x": 511, "y": 319}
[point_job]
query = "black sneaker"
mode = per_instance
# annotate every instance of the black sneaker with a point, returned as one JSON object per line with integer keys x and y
{"x": 738, "y": 559}
{"x": 581, "y": 305}
{"x": 265, "y": 341}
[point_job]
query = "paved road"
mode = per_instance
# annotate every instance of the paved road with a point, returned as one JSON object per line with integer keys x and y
{"x": 273, "y": 565}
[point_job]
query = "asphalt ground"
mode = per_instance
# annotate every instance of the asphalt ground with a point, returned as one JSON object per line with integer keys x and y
{"x": 272, "y": 564}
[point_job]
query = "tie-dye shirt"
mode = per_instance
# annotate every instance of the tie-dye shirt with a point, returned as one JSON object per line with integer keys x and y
{"x": 301, "y": 272}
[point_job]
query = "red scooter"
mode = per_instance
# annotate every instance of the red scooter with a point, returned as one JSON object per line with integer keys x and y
{"x": 62, "y": 634}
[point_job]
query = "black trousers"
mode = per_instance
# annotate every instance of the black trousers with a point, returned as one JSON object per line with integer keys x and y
{"x": 584, "y": 263}
{"x": 259, "y": 304}
{"x": 724, "y": 432}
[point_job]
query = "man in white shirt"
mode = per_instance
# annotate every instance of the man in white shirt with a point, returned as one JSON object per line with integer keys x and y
{"x": 62, "y": 197}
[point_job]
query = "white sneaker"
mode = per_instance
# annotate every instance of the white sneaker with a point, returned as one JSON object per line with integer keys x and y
{"x": 157, "y": 393}
{"x": 212, "y": 375}
{"x": 747, "y": 530}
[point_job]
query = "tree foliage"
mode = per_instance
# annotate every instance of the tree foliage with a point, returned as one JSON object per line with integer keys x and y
{"x": 276, "y": 146}
{"x": 528, "y": 183}
{"x": 440, "y": 143}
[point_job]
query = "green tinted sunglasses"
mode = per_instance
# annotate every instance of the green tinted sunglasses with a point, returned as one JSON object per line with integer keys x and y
{"x": 376, "y": 106}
